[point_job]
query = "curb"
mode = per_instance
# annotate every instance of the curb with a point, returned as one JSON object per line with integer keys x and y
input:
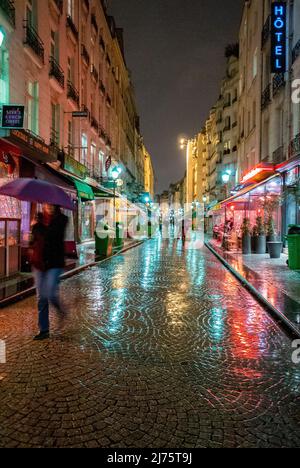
{"x": 68, "y": 274}
{"x": 280, "y": 318}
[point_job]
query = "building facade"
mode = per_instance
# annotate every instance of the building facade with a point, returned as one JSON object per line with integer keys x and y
{"x": 63, "y": 60}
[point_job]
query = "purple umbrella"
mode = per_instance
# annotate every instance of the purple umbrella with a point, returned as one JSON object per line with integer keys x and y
{"x": 37, "y": 191}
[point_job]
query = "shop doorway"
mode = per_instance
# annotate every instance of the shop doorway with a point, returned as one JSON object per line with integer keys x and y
{"x": 10, "y": 247}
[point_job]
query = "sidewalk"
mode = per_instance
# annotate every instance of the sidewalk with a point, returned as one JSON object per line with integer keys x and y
{"x": 22, "y": 285}
{"x": 275, "y": 284}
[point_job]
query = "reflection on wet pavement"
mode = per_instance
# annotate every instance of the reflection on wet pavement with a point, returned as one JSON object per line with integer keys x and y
{"x": 163, "y": 348}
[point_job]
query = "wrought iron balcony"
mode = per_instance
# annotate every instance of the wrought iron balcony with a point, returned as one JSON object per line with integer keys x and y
{"x": 296, "y": 51}
{"x": 278, "y": 83}
{"x": 94, "y": 73}
{"x": 57, "y": 72}
{"x": 278, "y": 155}
{"x": 72, "y": 27}
{"x": 33, "y": 40}
{"x": 85, "y": 54}
{"x": 94, "y": 22}
{"x": 266, "y": 31}
{"x": 94, "y": 123}
{"x": 8, "y": 8}
{"x": 72, "y": 93}
{"x": 266, "y": 97}
{"x": 295, "y": 146}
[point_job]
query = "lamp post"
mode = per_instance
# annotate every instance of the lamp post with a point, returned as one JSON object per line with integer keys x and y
{"x": 115, "y": 175}
{"x": 226, "y": 178}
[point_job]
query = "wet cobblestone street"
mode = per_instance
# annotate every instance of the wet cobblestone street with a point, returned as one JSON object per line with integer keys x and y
{"x": 162, "y": 348}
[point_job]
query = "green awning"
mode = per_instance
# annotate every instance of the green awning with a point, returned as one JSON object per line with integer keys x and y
{"x": 85, "y": 192}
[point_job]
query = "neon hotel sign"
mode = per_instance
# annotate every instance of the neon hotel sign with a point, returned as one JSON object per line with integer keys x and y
{"x": 278, "y": 32}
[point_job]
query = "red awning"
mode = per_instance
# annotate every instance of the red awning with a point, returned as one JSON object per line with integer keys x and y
{"x": 8, "y": 147}
{"x": 247, "y": 190}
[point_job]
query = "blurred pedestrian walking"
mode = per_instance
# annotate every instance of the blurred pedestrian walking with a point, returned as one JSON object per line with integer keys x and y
{"x": 50, "y": 230}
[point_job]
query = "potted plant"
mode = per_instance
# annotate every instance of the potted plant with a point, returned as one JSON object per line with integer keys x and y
{"x": 260, "y": 240}
{"x": 254, "y": 235}
{"x": 274, "y": 245}
{"x": 246, "y": 237}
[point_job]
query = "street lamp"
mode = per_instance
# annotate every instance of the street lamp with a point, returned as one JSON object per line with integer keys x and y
{"x": 115, "y": 175}
{"x": 226, "y": 178}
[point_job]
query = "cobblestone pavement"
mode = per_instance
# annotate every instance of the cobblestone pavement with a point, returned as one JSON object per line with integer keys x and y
{"x": 162, "y": 348}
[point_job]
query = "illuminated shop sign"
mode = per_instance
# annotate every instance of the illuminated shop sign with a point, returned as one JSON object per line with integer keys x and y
{"x": 278, "y": 30}
{"x": 12, "y": 116}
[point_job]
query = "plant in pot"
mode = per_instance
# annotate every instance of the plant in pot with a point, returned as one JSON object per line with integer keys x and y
{"x": 246, "y": 237}
{"x": 273, "y": 243}
{"x": 260, "y": 240}
{"x": 254, "y": 235}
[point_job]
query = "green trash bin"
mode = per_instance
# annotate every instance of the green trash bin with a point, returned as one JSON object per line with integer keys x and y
{"x": 103, "y": 243}
{"x": 119, "y": 240}
{"x": 294, "y": 247}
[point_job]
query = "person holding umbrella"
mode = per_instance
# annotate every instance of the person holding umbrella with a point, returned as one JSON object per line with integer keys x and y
{"x": 47, "y": 278}
{"x": 50, "y": 233}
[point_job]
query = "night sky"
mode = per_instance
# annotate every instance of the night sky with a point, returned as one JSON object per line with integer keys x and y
{"x": 175, "y": 51}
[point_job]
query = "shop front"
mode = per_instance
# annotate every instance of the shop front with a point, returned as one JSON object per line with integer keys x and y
{"x": 290, "y": 172}
{"x": 260, "y": 203}
{"x": 10, "y": 214}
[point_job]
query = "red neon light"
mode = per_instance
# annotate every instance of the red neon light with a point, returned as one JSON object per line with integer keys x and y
{"x": 255, "y": 172}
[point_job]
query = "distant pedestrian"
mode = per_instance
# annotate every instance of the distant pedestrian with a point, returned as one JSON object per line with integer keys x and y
{"x": 48, "y": 277}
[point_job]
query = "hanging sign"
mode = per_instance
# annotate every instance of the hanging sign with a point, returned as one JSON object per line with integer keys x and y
{"x": 12, "y": 116}
{"x": 278, "y": 37}
{"x": 108, "y": 163}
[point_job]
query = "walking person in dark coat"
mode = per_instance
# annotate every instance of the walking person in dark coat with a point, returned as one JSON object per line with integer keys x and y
{"x": 47, "y": 280}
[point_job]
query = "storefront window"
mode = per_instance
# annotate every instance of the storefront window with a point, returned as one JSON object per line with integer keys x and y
{"x": 86, "y": 221}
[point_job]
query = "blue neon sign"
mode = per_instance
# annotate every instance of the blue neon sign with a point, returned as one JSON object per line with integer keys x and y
{"x": 278, "y": 31}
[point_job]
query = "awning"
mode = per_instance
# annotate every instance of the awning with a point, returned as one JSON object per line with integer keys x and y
{"x": 85, "y": 192}
{"x": 100, "y": 193}
{"x": 247, "y": 190}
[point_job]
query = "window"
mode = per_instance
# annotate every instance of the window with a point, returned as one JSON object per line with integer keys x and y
{"x": 93, "y": 157}
{"x": 55, "y": 124}
{"x": 31, "y": 13}
{"x": 102, "y": 163}
{"x": 70, "y": 138}
{"x": 84, "y": 149}
{"x": 33, "y": 107}
{"x": 255, "y": 64}
{"x": 54, "y": 46}
{"x": 71, "y": 70}
{"x": 254, "y": 114}
{"x": 4, "y": 77}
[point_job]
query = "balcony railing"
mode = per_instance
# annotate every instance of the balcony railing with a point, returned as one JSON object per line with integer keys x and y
{"x": 266, "y": 97}
{"x": 266, "y": 31}
{"x": 94, "y": 22}
{"x": 8, "y": 7}
{"x": 72, "y": 27}
{"x": 33, "y": 40}
{"x": 73, "y": 93}
{"x": 94, "y": 73}
{"x": 278, "y": 155}
{"x": 296, "y": 51}
{"x": 94, "y": 123}
{"x": 57, "y": 72}
{"x": 85, "y": 54}
{"x": 295, "y": 146}
{"x": 278, "y": 83}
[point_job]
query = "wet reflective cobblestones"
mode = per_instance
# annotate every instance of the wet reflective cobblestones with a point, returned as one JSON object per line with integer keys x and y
{"x": 162, "y": 348}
